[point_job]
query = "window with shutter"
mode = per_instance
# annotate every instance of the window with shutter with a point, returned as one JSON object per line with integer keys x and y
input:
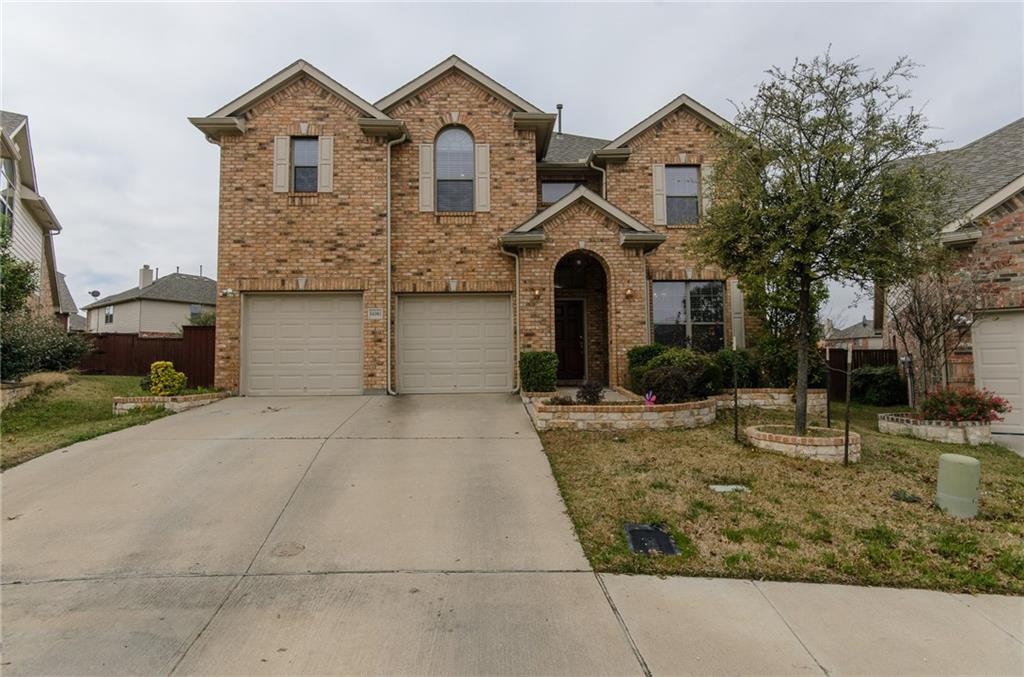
{"x": 305, "y": 163}
{"x": 454, "y": 151}
{"x": 682, "y": 186}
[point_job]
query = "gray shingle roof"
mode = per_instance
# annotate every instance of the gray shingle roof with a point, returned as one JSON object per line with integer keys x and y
{"x": 571, "y": 147}
{"x": 174, "y": 287}
{"x": 76, "y": 323}
{"x": 11, "y": 121}
{"x": 67, "y": 303}
{"x": 983, "y": 167}
{"x": 863, "y": 329}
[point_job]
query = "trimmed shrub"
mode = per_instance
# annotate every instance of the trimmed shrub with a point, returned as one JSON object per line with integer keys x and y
{"x": 30, "y": 343}
{"x": 538, "y": 371}
{"x": 560, "y": 400}
{"x": 746, "y": 367}
{"x": 639, "y": 357}
{"x": 165, "y": 379}
{"x": 979, "y": 406}
{"x": 777, "y": 363}
{"x": 681, "y": 375}
{"x": 878, "y": 386}
{"x": 590, "y": 392}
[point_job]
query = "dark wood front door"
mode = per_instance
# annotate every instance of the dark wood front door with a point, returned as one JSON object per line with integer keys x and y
{"x": 569, "y": 339}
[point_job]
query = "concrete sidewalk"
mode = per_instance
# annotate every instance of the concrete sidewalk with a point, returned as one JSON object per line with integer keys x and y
{"x": 411, "y": 535}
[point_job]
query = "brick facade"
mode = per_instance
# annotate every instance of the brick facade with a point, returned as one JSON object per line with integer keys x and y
{"x": 275, "y": 242}
{"x": 996, "y": 260}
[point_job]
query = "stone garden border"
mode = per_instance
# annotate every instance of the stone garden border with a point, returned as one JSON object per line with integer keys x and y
{"x": 175, "y": 403}
{"x": 828, "y": 449}
{"x": 952, "y": 432}
{"x": 635, "y": 415}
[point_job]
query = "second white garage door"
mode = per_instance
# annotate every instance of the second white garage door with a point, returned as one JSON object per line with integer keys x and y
{"x": 998, "y": 340}
{"x": 302, "y": 344}
{"x": 454, "y": 344}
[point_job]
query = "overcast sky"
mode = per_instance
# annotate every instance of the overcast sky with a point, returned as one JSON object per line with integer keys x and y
{"x": 107, "y": 87}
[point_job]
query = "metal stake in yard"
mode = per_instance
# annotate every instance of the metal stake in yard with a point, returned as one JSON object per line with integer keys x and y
{"x": 828, "y": 388}
{"x": 849, "y": 377}
{"x": 735, "y": 395}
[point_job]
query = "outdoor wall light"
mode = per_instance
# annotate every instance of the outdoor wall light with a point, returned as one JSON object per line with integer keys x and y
{"x": 629, "y": 292}
{"x": 536, "y": 293}
{"x": 228, "y": 292}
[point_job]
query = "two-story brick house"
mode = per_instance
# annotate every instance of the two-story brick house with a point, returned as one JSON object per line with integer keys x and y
{"x": 419, "y": 243}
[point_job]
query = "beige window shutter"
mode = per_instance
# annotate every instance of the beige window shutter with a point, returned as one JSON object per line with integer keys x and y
{"x": 282, "y": 163}
{"x": 736, "y": 301}
{"x": 706, "y": 173}
{"x": 482, "y": 184}
{"x": 325, "y": 170}
{"x": 660, "y": 206}
{"x": 426, "y": 177}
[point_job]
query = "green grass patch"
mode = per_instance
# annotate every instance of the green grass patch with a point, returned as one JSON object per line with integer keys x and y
{"x": 801, "y": 520}
{"x": 64, "y": 415}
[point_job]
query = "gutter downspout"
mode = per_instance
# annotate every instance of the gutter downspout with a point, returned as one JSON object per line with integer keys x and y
{"x": 387, "y": 263}
{"x": 604, "y": 176}
{"x": 517, "y": 329}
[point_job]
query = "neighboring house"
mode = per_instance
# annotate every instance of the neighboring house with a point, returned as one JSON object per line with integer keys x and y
{"x": 159, "y": 306}
{"x": 862, "y": 336}
{"x": 989, "y": 241}
{"x": 418, "y": 244}
{"x": 66, "y": 309}
{"x": 25, "y": 213}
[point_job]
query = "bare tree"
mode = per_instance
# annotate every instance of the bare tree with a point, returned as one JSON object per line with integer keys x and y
{"x": 931, "y": 315}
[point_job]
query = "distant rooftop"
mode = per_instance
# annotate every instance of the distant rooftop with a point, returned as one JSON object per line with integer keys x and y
{"x": 174, "y": 287}
{"x": 571, "y": 148}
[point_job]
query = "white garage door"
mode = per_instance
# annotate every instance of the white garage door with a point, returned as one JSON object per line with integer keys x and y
{"x": 302, "y": 344}
{"x": 454, "y": 344}
{"x": 998, "y": 340}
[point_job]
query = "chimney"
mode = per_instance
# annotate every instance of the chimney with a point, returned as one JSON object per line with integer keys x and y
{"x": 145, "y": 276}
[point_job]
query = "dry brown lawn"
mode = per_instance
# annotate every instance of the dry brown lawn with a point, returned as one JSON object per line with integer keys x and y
{"x": 801, "y": 520}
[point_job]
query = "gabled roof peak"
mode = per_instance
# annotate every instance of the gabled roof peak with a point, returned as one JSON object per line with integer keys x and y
{"x": 455, "y": 62}
{"x": 681, "y": 101}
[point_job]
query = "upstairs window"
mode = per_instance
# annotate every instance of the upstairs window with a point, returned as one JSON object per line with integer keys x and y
{"x": 553, "y": 191}
{"x": 454, "y": 170}
{"x": 682, "y": 202}
{"x": 690, "y": 314}
{"x": 194, "y": 311}
{"x": 7, "y": 183}
{"x": 305, "y": 160}
{"x": 108, "y": 315}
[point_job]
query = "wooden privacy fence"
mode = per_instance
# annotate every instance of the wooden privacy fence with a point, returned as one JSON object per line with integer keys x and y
{"x": 861, "y": 358}
{"x": 131, "y": 354}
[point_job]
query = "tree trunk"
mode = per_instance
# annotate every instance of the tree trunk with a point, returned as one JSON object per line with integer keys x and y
{"x": 803, "y": 346}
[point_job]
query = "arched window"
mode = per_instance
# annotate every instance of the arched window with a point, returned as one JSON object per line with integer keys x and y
{"x": 454, "y": 153}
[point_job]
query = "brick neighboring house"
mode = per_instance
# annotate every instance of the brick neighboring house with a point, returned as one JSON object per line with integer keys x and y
{"x": 500, "y": 233}
{"x": 989, "y": 241}
{"x": 862, "y": 335}
{"x": 27, "y": 215}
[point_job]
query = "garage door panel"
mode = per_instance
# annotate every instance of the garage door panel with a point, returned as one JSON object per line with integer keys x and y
{"x": 998, "y": 341}
{"x": 302, "y": 344}
{"x": 454, "y": 343}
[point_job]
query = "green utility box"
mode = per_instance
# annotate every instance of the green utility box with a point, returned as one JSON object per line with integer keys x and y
{"x": 959, "y": 481}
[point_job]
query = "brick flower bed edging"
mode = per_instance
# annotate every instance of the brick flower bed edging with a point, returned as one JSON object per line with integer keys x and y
{"x": 618, "y": 416}
{"x": 123, "y": 405}
{"x": 953, "y": 432}
{"x": 773, "y": 398}
{"x": 828, "y": 449}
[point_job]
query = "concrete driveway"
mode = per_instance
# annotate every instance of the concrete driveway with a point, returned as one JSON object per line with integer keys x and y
{"x": 303, "y": 535}
{"x": 411, "y": 535}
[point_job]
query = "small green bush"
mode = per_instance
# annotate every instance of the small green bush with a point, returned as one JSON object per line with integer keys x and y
{"x": 560, "y": 400}
{"x": 538, "y": 371}
{"x": 777, "y": 363}
{"x": 878, "y": 386}
{"x": 746, "y": 365}
{"x": 165, "y": 379}
{"x": 639, "y": 357}
{"x": 31, "y": 343}
{"x": 590, "y": 392}
{"x": 681, "y": 375}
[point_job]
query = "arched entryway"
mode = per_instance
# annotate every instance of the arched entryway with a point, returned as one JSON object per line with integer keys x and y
{"x": 581, "y": 318}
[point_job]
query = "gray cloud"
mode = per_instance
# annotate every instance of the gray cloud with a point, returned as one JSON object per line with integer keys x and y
{"x": 108, "y": 87}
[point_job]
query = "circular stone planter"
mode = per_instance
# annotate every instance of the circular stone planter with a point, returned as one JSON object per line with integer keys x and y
{"x": 953, "y": 432}
{"x": 828, "y": 448}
